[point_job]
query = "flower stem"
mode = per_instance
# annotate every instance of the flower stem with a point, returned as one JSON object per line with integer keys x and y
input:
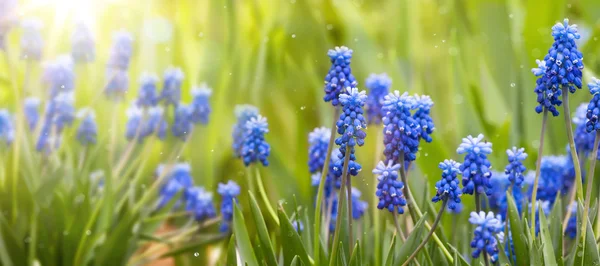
{"x": 478, "y": 209}
{"x": 590, "y": 181}
{"x": 409, "y": 200}
{"x": 341, "y": 202}
{"x": 537, "y": 172}
{"x": 431, "y": 231}
{"x": 263, "y": 194}
{"x": 376, "y": 217}
{"x": 578, "y": 179}
{"x": 320, "y": 190}
{"x": 397, "y": 224}
{"x": 349, "y": 195}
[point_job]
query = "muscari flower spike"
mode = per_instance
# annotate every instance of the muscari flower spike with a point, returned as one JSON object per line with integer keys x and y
{"x": 593, "y": 109}
{"x": 171, "y": 92}
{"x": 547, "y": 97}
{"x": 177, "y": 178}
{"x": 379, "y": 87}
{"x": 200, "y": 106}
{"x": 423, "y": 104}
{"x": 515, "y": 167}
{"x": 358, "y": 206}
{"x": 63, "y": 107}
{"x": 200, "y": 203}
{"x": 401, "y": 131}
{"x": 59, "y": 75}
{"x": 331, "y": 181}
{"x": 552, "y": 171}
{"x": 318, "y": 141}
{"x": 448, "y": 187}
{"x": 147, "y": 96}
{"x": 485, "y": 234}
{"x": 571, "y": 229}
{"x": 255, "y": 148}
{"x": 155, "y": 124}
{"x": 121, "y": 50}
{"x": 182, "y": 124}
{"x": 350, "y": 126}
{"x": 243, "y": 113}
{"x": 87, "y": 131}
{"x": 31, "y": 107}
{"x": 134, "y": 121}
{"x": 83, "y": 45}
{"x": 476, "y": 167}
{"x": 7, "y": 129}
{"x": 563, "y": 67}
{"x": 32, "y": 43}
{"x": 339, "y": 76}
{"x": 389, "y": 188}
{"x": 229, "y": 193}
{"x": 497, "y": 198}
{"x": 584, "y": 140}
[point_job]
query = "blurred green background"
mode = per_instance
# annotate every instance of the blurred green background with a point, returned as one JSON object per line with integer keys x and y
{"x": 473, "y": 57}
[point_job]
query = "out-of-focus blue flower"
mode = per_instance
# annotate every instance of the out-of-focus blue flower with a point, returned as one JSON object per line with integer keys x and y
{"x": 340, "y": 75}
{"x": 389, "y": 188}
{"x": 401, "y": 131}
{"x": 547, "y": 97}
{"x": 379, "y": 87}
{"x": 546, "y": 208}
{"x": 64, "y": 110}
{"x": 83, "y": 46}
{"x": 515, "y": 167}
{"x": 177, "y": 178}
{"x": 32, "y": 43}
{"x": 458, "y": 208}
{"x": 229, "y": 193}
{"x": 298, "y": 226}
{"x": 255, "y": 148}
{"x": 243, "y": 113}
{"x": 552, "y": 172}
{"x": 155, "y": 124}
{"x": 48, "y": 140}
{"x": 87, "y": 131}
{"x": 147, "y": 96}
{"x": 358, "y": 206}
{"x": 584, "y": 140}
{"x": 117, "y": 83}
{"x": 171, "y": 91}
{"x": 134, "y": 122}
{"x": 7, "y": 129}
{"x": 31, "y": 108}
{"x": 317, "y": 151}
{"x": 200, "y": 104}
{"x": 59, "y": 75}
{"x": 350, "y": 126}
{"x": 331, "y": 181}
{"x": 182, "y": 125}
{"x": 484, "y": 239}
{"x": 497, "y": 198}
{"x": 571, "y": 229}
{"x": 8, "y": 17}
{"x": 423, "y": 104}
{"x": 121, "y": 50}
{"x": 476, "y": 167}
{"x": 593, "y": 109}
{"x": 200, "y": 203}
{"x": 448, "y": 187}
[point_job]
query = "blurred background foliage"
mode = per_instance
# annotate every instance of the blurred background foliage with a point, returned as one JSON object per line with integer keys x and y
{"x": 473, "y": 57}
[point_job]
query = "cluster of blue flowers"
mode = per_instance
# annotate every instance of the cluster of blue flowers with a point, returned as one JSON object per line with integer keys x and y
{"x": 317, "y": 152}
{"x": 584, "y": 140}
{"x": 593, "y": 109}
{"x": 243, "y": 114}
{"x": 83, "y": 45}
{"x": 229, "y": 192}
{"x": 358, "y": 206}
{"x": 379, "y": 87}
{"x": 448, "y": 187}
{"x": 255, "y": 148}
{"x": 32, "y": 43}
{"x": 560, "y": 69}
{"x": 552, "y": 173}
{"x": 515, "y": 167}
{"x": 118, "y": 63}
{"x": 7, "y": 128}
{"x": 476, "y": 167}
{"x": 87, "y": 131}
{"x": 350, "y": 126}
{"x": 389, "y": 188}
{"x": 340, "y": 75}
{"x": 484, "y": 240}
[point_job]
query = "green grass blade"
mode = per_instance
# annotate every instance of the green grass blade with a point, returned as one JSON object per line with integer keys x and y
{"x": 293, "y": 245}
{"x": 354, "y": 260}
{"x": 547, "y": 248}
{"x": 242, "y": 238}
{"x": 231, "y": 252}
{"x": 389, "y": 258}
{"x": 519, "y": 238}
{"x": 591, "y": 248}
{"x": 263, "y": 233}
{"x": 413, "y": 240}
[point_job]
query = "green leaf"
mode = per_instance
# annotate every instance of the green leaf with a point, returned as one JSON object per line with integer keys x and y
{"x": 231, "y": 252}
{"x": 342, "y": 256}
{"x": 519, "y": 238}
{"x": 502, "y": 258}
{"x": 591, "y": 248}
{"x": 413, "y": 240}
{"x": 294, "y": 261}
{"x": 293, "y": 244}
{"x": 354, "y": 260}
{"x": 196, "y": 245}
{"x": 578, "y": 256}
{"x": 555, "y": 228}
{"x": 389, "y": 258}
{"x": 242, "y": 238}
{"x": 547, "y": 249}
{"x": 263, "y": 233}
{"x": 459, "y": 260}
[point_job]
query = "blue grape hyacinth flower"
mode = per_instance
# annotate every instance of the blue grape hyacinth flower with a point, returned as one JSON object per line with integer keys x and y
{"x": 318, "y": 141}
{"x": 550, "y": 183}
{"x": 255, "y": 148}
{"x": 358, "y": 206}
{"x": 571, "y": 229}
{"x": 401, "y": 131}
{"x": 171, "y": 91}
{"x": 340, "y": 75}
{"x": 7, "y": 129}
{"x": 229, "y": 192}
{"x": 200, "y": 104}
{"x": 177, "y": 178}
{"x": 476, "y": 167}
{"x": 83, "y": 45}
{"x": 117, "y": 84}
{"x": 243, "y": 113}
{"x": 484, "y": 239}
{"x": 31, "y": 108}
{"x": 148, "y": 96}
{"x": 584, "y": 140}
{"x": 87, "y": 131}
{"x": 423, "y": 104}
{"x": 547, "y": 97}
{"x": 32, "y": 42}
{"x": 59, "y": 75}
{"x": 121, "y": 50}
{"x": 134, "y": 122}
{"x": 448, "y": 187}
{"x": 200, "y": 203}
{"x": 350, "y": 126}
{"x": 63, "y": 106}
{"x": 155, "y": 124}
{"x": 515, "y": 167}
{"x": 379, "y": 87}
{"x": 389, "y": 188}
{"x": 593, "y": 109}
{"x": 331, "y": 181}
{"x": 182, "y": 124}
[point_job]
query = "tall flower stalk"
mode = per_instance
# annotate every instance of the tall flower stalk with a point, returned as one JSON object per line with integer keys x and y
{"x": 592, "y": 125}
